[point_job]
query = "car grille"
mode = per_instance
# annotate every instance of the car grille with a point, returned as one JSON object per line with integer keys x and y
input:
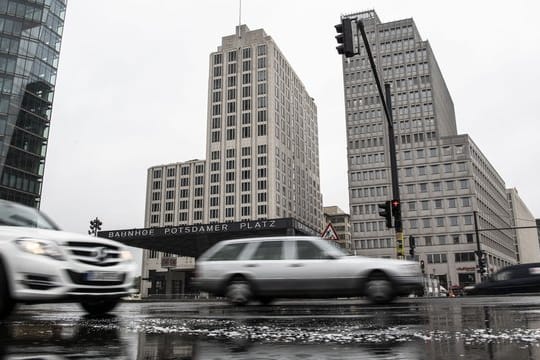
{"x": 104, "y": 291}
{"x": 93, "y": 253}
{"x": 79, "y": 279}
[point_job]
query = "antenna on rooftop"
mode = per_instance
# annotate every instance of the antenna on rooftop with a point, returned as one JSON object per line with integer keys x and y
{"x": 239, "y": 17}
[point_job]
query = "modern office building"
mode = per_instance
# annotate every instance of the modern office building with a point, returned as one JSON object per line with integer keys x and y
{"x": 262, "y": 138}
{"x": 526, "y": 234}
{"x": 341, "y": 223}
{"x": 262, "y": 155}
{"x": 444, "y": 178}
{"x": 30, "y": 36}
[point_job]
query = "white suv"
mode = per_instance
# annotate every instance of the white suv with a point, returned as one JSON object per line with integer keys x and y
{"x": 289, "y": 267}
{"x": 39, "y": 263}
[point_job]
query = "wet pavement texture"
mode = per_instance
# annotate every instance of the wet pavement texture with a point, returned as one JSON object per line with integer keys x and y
{"x": 443, "y": 328}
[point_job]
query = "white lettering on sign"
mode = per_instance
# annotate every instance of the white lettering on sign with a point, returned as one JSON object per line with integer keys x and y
{"x": 257, "y": 224}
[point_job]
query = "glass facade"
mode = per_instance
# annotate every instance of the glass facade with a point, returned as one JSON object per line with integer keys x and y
{"x": 30, "y": 37}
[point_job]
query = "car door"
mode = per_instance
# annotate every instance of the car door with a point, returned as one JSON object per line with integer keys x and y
{"x": 314, "y": 273}
{"x": 267, "y": 268}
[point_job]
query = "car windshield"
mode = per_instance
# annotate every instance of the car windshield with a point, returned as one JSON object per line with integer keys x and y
{"x": 13, "y": 214}
{"x": 333, "y": 248}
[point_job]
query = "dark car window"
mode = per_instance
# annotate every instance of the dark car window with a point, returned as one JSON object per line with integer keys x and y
{"x": 268, "y": 250}
{"x": 228, "y": 252}
{"x": 308, "y": 250}
{"x": 502, "y": 275}
{"x": 13, "y": 214}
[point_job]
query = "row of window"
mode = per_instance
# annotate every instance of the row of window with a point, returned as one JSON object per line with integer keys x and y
{"x": 184, "y": 171}
{"x": 232, "y": 68}
{"x": 436, "y": 186}
{"x": 217, "y": 83}
{"x": 405, "y": 70}
{"x": 383, "y": 243}
{"x": 212, "y": 213}
{"x": 440, "y": 221}
{"x": 451, "y": 203}
{"x": 232, "y": 55}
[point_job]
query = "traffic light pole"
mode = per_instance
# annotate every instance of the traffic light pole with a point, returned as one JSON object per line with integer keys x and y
{"x": 386, "y": 100}
{"x": 478, "y": 248}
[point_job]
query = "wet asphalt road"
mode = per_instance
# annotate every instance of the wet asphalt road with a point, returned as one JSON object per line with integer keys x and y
{"x": 444, "y": 328}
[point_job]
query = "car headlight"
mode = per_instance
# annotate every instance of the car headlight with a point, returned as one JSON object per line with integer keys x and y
{"x": 40, "y": 247}
{"x": 126, "y": 255}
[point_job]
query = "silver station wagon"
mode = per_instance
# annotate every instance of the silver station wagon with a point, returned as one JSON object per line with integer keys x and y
{"x": 264, "y": 269}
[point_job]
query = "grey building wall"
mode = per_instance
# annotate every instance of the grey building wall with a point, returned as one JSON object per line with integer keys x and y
{"x": 340, "y": 220}
{"x": 526, "y": 236}
{"x": 444, "y": 177}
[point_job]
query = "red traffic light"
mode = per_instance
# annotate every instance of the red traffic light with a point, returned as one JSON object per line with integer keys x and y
{"x": 395, "y": 203}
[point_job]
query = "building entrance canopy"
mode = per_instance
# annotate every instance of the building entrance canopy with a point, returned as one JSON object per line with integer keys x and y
{"x": 193, "y": 240}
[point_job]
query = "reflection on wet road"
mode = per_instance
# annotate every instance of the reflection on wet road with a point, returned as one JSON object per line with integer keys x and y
{"x": 468, "y": 328}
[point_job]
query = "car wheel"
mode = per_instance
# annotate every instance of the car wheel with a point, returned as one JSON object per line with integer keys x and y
{"x": 6, "y": 302}
{"x": 238, "y": 291}
{"x": 99, "y": 307}
{"x": 379, "y": 289}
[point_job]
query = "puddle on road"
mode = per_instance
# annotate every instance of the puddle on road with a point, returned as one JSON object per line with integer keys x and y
{"x": 438, "y": 332}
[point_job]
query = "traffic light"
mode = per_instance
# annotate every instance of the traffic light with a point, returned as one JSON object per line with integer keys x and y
{"x": 386, "y": 212}
{"x": 396, "y": 208}
{"x": 423, "y": 266}
{"x": 482, "y": 262}
{"x": 412, "y": 245}
{"x": 345, "y": 38}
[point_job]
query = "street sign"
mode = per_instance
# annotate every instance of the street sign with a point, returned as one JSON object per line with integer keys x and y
{"x": 330, "y": 233}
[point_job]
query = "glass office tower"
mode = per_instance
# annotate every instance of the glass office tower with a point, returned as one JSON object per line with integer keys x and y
{"x": 30, "y": 36}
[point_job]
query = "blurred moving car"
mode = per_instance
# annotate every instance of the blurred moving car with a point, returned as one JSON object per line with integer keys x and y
{"x": 522, "y": 278}
{"x": 39, "y": 263}
{"x": 294, "y": 267}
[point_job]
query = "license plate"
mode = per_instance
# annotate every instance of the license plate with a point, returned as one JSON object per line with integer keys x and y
{"x": 103, "y": 276}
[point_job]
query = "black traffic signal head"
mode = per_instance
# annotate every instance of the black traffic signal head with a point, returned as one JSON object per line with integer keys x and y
{"x": 345, "y": 38}
{"x": 386, "y": 212}
{"x": 396, "y": 208}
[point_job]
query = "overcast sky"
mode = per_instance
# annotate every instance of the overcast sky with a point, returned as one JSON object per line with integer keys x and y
{"x": 131, "y": 91}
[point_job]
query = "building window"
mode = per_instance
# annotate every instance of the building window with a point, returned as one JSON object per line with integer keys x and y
{"x": 442, "y": 240}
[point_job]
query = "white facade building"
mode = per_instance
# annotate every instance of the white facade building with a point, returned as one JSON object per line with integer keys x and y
{"x": 262, "y": 156}
{"x": 262, "y": 140}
